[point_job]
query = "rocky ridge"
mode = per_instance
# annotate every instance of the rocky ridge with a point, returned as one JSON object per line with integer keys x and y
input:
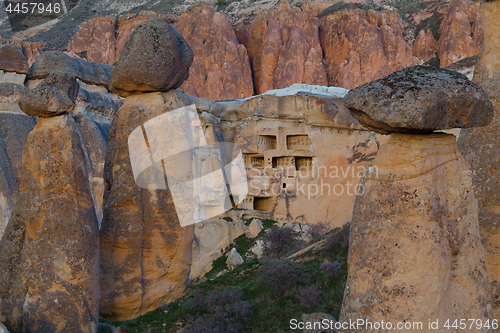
{"x": 374, "y": 39}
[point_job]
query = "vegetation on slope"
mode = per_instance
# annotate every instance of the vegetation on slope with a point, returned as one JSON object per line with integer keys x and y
{"x": 259, "y": 295}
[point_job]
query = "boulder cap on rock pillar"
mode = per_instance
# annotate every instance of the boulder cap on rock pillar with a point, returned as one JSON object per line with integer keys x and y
{"x": 54, "y": 96}
{"x": 418, "y": 100}
{"x": 86, "y": 71}
{"x": 156, "y": 58}
{"x": 12, "y": 59}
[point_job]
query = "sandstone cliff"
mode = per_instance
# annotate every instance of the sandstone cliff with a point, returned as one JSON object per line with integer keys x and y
{"x": 221, "y": 69}
{"x": 480, "y": 145}
{"x": 284, "y": 48}
{"x": 362, "y": 46}
{"x": 415, "y": 252}
{"x": 342, "y": 45}
{"x": 50, "y": 282}
{"x": 415, "y": 239}
{"x": 461, "y": 32}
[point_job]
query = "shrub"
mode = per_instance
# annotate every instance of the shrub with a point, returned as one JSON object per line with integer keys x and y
{"x": 281, "y": 275}
{"x": 318, "y": 230}
{"x": 219, "y": 311}
{"x": 278, "y": 242}
{"x": 309, "y": 297}
{"x": 340, "y": 238}
{"x": 333, "y": 267}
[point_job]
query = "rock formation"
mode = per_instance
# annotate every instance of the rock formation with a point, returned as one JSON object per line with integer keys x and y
{"x": 102, "y": 39}
{"x": 88, "y": 72}
{"x": 96, "y": 40}
{"x": 296, "y": 172}
{"x": 361, "y": 46}
{"x": 49, "y": 255}
{"x": 52, "y": 97}
{"x": 14, "y": 129}
{"x": 221, "y": 69}
{"x": 480, "y": 146}
{"x": 93, "y": 108}
{"x": 13, "y": 60}
{"x": 234, "y": 259}
{"x": 488, "y": 65}
{"x": 461, "y": 32}
{"x": 145, "y": 253}
{"x": 127, "y": 23}
{"x": 415, "y": 252}
{"x": 31, "y": 50}
{"x": 425, "y": 45}
{"x": 431, "y": 90}
{"x": 211, "y": 238}
{"x": 156, "y": 58}
{"x": 284, "y": 48}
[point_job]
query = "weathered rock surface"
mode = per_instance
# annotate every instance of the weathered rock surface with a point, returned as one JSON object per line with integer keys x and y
{"x": 55, "y": 95}
{"x": 479, "y": 147}
{"x": 9, "y": 94}
{"x": 101, "y": 105}
{"x": 7, "y": 188}
{"x": 128, "y": 22}
{"x": 254, "y": 228}
{"x": 211, "y": 237}
{"x": 14, "y": 129}
{"x": 13, "y": 60}
{"x": 234, "y": 259}
{"x": 296, "y": 172}
{"x": 96, "y": 39}
{"x": 488, "y": 65}
{"x": 12, "y": 77}
{"x": 52, "y": 61}
{"x": 31, "y": 50}
{"x": 284, "y": 48}
{"x": 361, "y": 46}
{"x": 221, "y": 69}
{"x": 102, "y": 39}
{"x": 145, "y": 253}
{"x": 258, "y": 248}
{"x": 415, "y": 251}
{"x": 425, "y": 45}
{"x": 96, "y": 146}
{"x": 461, "y": 32}
{"x": 49, "y": 255}
{"x": 420, "y": 99}
{"x": 156, "y": 58}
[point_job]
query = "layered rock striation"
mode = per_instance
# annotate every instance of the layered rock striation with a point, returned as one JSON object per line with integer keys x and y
{"x": 49, "y": 255}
